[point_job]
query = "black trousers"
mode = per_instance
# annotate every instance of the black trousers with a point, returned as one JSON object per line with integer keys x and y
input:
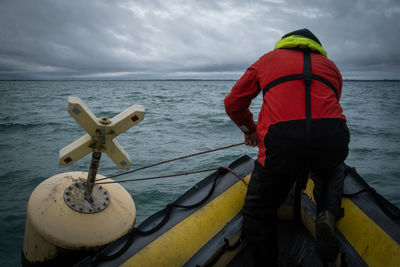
{"x": 289, "y": 156}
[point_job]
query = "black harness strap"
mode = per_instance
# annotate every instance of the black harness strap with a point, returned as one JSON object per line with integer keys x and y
{"x": 282, "y": 80}
{"x": 326, "y": 82}
{"x": 299, "y": 76}
{"x": 307, "y": 82}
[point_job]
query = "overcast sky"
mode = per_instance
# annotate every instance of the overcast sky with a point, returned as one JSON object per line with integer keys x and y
{"x": 118, "y": 39}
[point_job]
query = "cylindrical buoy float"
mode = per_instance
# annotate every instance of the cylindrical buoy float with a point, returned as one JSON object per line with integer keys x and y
{"x": 63, "y": 227}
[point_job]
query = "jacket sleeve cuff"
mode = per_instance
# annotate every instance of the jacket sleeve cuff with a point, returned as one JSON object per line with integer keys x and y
{"x": 248, "y": 129}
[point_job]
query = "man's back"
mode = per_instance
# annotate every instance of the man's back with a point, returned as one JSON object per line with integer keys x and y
{"x": 279, "y": 75}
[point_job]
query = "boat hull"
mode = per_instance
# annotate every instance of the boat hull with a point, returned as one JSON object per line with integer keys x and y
{"x": 209, "y": 233}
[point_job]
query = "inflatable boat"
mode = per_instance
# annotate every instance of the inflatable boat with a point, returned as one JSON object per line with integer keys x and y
{"x": 203, "y": 227}
{"x": 72, "y": 219}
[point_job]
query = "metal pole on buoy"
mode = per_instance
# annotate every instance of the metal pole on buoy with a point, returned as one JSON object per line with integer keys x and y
{"x": 94, "y": 165}
{"x": 68, "y": 215}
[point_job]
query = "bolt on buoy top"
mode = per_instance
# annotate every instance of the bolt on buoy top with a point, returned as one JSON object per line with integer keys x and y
{"x": 100, "y": 137}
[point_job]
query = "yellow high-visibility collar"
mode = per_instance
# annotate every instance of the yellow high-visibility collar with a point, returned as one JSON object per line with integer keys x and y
{"x": 299, "y": 41}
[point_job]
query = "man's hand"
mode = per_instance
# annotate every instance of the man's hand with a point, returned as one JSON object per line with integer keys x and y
{"x": 251, "y": 139}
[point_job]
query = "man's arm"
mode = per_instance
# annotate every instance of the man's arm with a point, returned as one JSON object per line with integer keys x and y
{"x": 237, "y": 104}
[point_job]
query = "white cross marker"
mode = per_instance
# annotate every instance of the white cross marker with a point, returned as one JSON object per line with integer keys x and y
{"x": 100, "y": 133}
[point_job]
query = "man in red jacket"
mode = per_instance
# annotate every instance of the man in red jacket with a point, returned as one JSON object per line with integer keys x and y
{"x": 301, "y": 129}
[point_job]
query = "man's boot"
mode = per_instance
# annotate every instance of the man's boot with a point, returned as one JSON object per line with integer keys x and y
{"x": 326, "y": 242}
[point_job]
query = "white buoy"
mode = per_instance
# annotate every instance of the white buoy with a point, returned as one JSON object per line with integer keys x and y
{"x": 68, "y": 215}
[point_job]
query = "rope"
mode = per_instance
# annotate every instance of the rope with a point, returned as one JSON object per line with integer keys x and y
{"x": 176, "y": 174}
{"x": 158, "y": 177}
{"x": 170, "y": 160}
{"x": 236, "y": 174}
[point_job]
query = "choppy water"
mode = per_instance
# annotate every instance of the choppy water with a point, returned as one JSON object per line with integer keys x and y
{"x": 182, "y": 117}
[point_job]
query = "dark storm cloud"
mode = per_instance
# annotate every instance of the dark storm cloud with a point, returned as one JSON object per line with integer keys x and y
{"x": 188, "y": 39}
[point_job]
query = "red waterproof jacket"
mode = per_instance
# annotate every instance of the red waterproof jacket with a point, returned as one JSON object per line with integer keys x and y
{"x": 280, "y": 74}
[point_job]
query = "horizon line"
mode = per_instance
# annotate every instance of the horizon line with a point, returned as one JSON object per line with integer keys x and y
{"x": 172, "y": 79}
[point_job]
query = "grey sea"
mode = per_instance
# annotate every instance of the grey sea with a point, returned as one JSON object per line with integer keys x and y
{"x": 182, "y": 117}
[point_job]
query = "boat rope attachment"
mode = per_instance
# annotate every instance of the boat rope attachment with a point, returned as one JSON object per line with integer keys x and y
{"x": 224, "y": 249}
{"x": 387, "y": 207}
